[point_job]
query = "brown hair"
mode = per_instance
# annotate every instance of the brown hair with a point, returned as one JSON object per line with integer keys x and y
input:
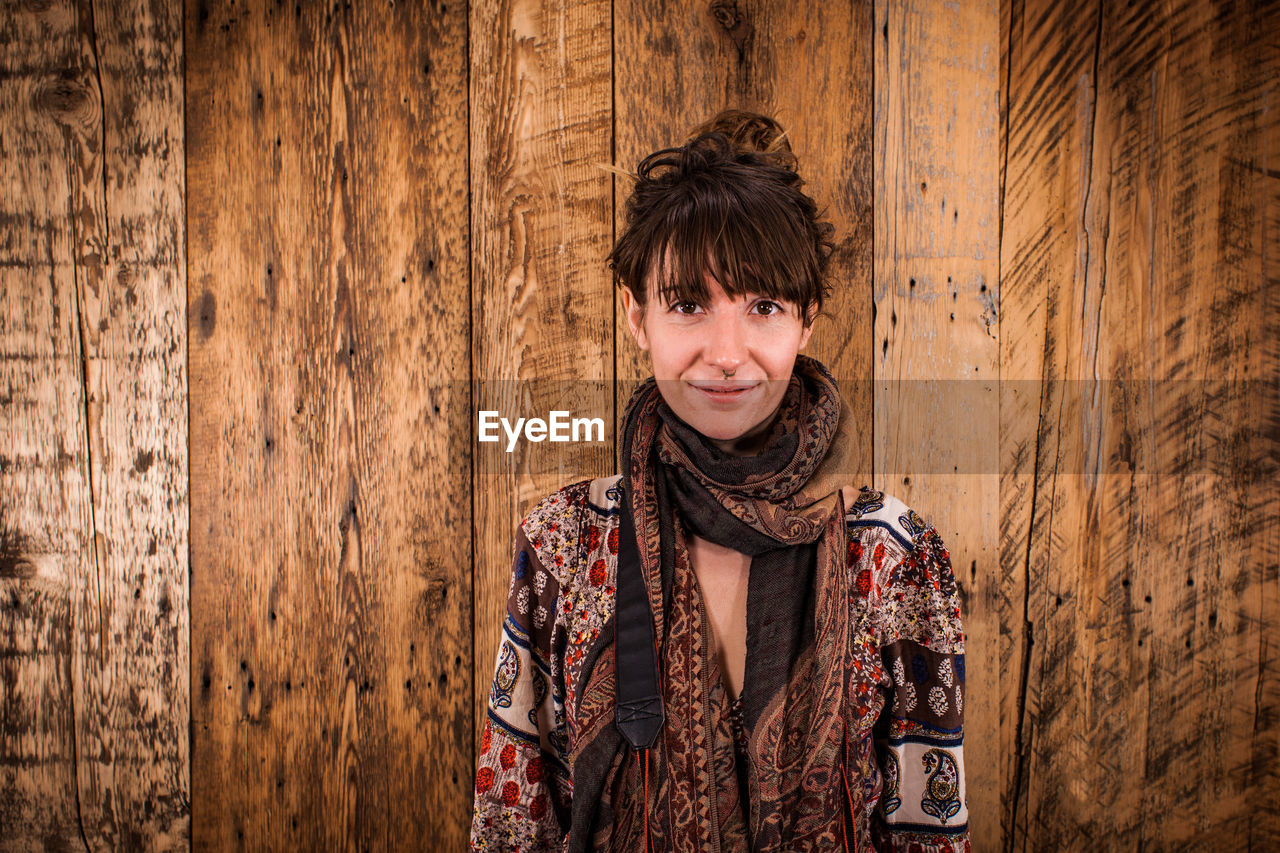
{"x": 729, "y": 203}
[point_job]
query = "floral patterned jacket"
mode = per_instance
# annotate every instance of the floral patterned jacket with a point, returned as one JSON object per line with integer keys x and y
{"x": 562, "y": 595}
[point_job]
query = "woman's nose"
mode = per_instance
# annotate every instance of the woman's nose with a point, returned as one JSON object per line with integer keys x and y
{"x": 726, "y": 343}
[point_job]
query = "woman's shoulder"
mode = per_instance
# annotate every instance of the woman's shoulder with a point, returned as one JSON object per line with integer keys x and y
{"x": 557, "y": 523}
{"x": 878, "y": 514}
{"x": 567, "y": 504}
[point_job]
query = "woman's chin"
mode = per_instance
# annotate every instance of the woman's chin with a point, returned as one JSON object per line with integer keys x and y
{"x": 722, "y": 435}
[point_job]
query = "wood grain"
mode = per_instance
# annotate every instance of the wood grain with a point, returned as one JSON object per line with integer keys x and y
{"x": 1139, "y": 534}
{"x": 937, "y": 322}
{"x": 93, "y": 521}
{"x": 540, "y": 220}
{"x": 396, "y": 218}
{"x": 330, "y": 417}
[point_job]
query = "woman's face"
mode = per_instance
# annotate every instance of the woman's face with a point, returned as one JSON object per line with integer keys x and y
{"x": 754, "y": 337}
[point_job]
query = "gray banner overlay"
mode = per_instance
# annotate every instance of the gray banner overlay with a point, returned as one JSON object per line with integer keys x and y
{"x": 962, "y": 426}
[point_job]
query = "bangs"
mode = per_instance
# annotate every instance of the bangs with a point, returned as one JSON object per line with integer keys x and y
{"x": 747, "y": 242}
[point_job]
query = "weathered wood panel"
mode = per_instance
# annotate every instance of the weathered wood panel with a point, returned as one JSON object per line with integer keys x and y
{"x": 1128, "y": 695}
{"x": 937, "y": 322}
{"x": 1139, "y": 523}
{"x": 1263, "y": 777}
{"x": 541, "y": 224}
{"x": 93, "y": 465}
{"x": 330, "y": 416}
{"x": 808, "y": 64}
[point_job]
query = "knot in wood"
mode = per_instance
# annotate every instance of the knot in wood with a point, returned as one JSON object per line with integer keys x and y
{"x": 727, "y": 14}
{"x": 67, "y": 101}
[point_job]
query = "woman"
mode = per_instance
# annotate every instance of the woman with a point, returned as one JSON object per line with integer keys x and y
{"x": 726, "y": 646}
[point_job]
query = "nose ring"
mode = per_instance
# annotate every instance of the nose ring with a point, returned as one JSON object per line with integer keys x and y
{"x": 727, "y": 373}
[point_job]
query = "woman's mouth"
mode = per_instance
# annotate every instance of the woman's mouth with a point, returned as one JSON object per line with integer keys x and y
{"x": 725, "y": 392}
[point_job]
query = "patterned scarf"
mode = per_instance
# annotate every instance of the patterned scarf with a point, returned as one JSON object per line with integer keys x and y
{"x": 784, "y": 508}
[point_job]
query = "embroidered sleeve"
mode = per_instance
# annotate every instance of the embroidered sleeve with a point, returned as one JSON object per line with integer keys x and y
{"x": 918, "y": 738}
{"x": 522, "y": 785}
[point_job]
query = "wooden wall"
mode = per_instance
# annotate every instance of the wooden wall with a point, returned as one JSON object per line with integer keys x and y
{"x": 935, "y": 361}
{"x": 330, "y": 562}
{"x": 94, "y": 606}
{"x": 259, "y": 607}
{"x": 1140, "y": 514}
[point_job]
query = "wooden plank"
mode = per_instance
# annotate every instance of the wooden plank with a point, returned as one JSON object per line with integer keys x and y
{"x": 47, "y": 533}
{"x": 330, "y": 413}
{"x": 1264, "y": 769}
{"x": 808, "y": 64}
{"x": 93, "y": 592}
{"x": 1133, "y": 248}
{"x": 937, "y": 322}
{"x": 540, "y": 220}
{"x": 1030, "y": 299}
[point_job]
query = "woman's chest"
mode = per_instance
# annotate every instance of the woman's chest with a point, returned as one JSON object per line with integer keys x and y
{"x": 722, "y": 575}
{"x": 585, "y": 566}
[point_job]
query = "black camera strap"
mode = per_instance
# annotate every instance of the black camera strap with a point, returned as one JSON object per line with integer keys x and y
{"x": 639, "y": 713}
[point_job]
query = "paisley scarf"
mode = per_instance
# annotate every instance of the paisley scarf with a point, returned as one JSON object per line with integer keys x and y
{"x": 785, "y": 509}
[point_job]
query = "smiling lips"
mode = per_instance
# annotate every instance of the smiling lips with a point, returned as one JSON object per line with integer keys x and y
{"x": 724, "y": 393}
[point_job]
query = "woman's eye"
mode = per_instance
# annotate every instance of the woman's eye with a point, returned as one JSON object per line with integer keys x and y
{"x": 774, "y": 307}
{"x": 679, "y": 306}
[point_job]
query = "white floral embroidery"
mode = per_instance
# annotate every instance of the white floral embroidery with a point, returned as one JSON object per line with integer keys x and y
{"x": 898, "y": 677}
{"x": 540, "y": 581}
{"x": 959, "y": 700}
{"x": 938, "y": 701}
{"x": 944, "y": 673}
{"x": 910, "y": 693}
{"x": 540, "y": 617}
{"x": 522, "y": 600}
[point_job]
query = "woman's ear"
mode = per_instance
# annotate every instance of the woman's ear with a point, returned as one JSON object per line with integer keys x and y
{"x": 807, "y": 329}
{"x": 635, "y": 318}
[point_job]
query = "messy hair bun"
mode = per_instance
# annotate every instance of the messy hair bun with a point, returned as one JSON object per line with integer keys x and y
{"x": 750, "y": 131}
